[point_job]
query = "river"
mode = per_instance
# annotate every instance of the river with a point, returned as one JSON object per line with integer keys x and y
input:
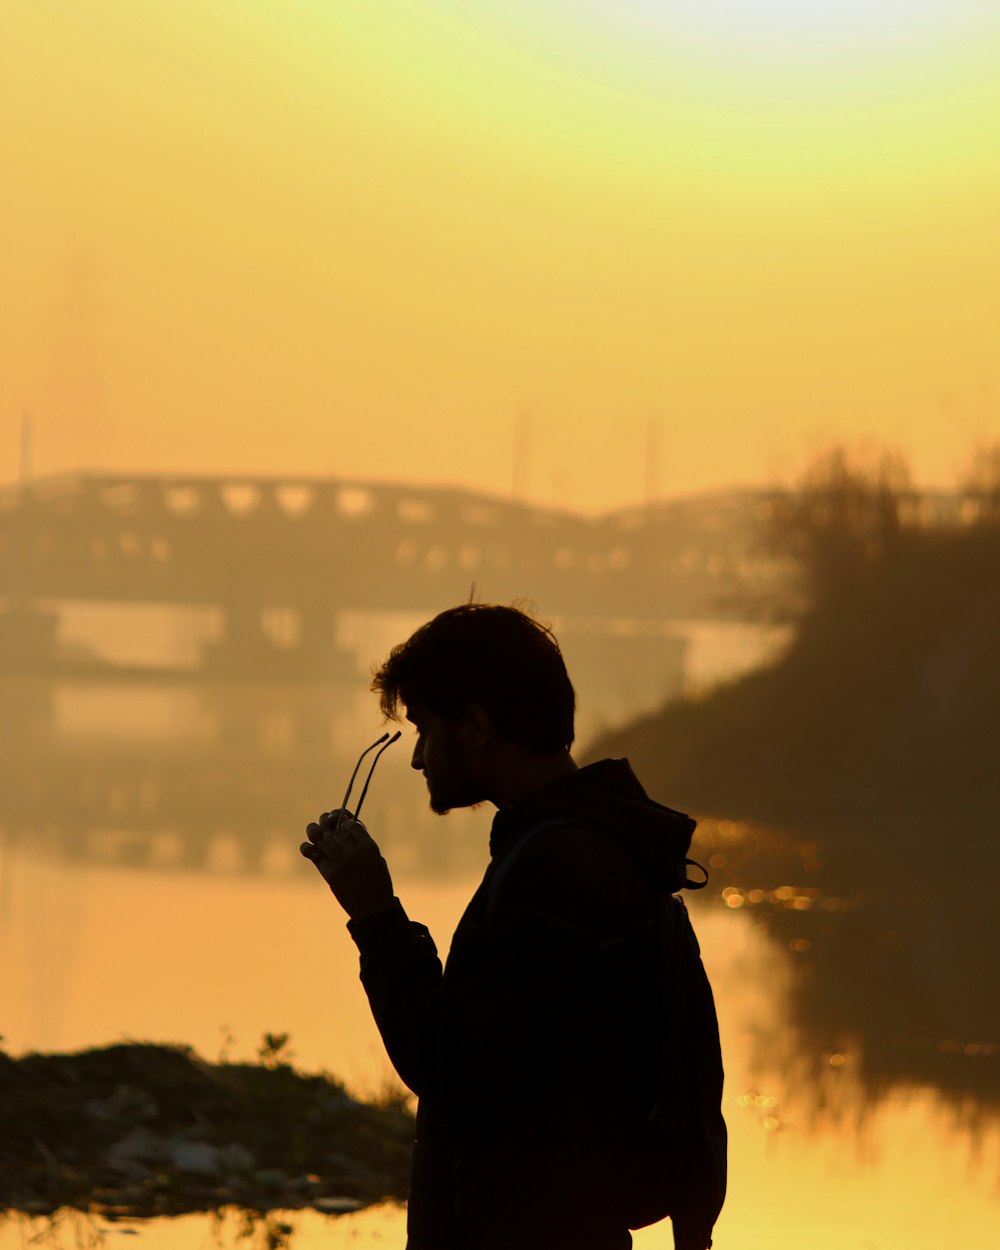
{"x": 151, "y": 889}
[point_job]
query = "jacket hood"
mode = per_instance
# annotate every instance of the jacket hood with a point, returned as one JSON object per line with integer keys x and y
{"x": 606, "y": 793}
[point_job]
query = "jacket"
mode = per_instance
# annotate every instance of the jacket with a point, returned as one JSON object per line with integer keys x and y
{"x": 529, "y": 1050}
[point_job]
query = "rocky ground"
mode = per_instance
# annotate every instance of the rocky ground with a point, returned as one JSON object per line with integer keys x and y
{"x": 144, "y": 1129}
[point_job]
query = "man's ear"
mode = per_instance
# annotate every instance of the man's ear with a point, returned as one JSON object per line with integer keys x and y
{"x": 476, "y": 727}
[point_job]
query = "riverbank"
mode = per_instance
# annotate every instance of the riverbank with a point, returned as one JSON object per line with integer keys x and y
{"x": 879, "y": 719}
{"x": 141, "y": 1129}
{"x": 862, "y": 764}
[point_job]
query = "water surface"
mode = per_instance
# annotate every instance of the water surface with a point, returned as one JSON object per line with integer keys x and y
{"x": 151, "y": 888}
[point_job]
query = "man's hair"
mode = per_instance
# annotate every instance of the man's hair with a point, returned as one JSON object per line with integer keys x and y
{"x": 495, "y": 657}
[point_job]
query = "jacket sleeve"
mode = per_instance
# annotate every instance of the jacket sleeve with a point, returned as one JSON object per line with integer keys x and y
{"x": 401, "y": 974}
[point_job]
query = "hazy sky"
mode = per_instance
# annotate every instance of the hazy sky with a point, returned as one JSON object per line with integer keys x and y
{"x": 378, "y": 237}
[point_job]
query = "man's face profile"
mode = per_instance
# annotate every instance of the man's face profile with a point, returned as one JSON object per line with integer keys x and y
{"x": 441, "y": 754}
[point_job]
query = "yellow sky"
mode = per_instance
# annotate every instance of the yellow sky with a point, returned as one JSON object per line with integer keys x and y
{"x": 374, "y": 239}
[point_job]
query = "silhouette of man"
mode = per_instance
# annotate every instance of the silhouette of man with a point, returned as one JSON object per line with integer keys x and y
{"x": 530, "y": 1051}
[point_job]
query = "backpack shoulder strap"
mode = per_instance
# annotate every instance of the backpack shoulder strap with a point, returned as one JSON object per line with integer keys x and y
{"x": 512, "y": 855}
{"x": 550, "y": 822}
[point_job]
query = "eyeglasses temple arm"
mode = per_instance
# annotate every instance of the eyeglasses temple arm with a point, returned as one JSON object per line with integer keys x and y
{"x": 395, "y": 737}
{"x": 350, "y": 784}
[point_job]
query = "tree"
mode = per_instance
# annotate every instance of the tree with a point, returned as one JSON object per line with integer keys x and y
{"x": 981, "y": 484}
{"x": 844, "y": 518}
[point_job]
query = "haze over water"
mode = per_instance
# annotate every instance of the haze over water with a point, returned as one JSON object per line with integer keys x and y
{"x": 201, "y": 924}
{"x": 590, "y": 255}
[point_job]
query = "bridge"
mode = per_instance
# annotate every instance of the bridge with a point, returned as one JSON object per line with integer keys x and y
{"x": 282, "y": 557}
{"x": 278, "y": 560}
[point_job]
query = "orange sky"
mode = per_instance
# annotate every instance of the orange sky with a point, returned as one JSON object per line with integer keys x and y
{"x": 375, "y": 239}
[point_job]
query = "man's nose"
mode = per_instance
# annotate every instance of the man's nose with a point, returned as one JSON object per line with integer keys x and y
{"x": 417, "y": 760}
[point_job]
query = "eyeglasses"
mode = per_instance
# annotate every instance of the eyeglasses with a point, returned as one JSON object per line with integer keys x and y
{"x": 350, "y": 785}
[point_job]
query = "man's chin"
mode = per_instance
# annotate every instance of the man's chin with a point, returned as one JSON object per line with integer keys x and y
{"x": 442, "y": 806}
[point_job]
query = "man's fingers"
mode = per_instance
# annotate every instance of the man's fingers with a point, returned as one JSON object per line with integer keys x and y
{"x": 321, "y": 832}
{"x": 326, "y": 842}
{"x": 339, "y": 818}
{"x": 335, "y": 850}
{"x": 339, "y": 815}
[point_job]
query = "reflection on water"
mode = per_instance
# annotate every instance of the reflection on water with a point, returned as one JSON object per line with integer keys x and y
{"x": 205, "y": 959}
{"x": 150, "y": 887}
{"x": 891, "y": 958}
{"x": 217, "y": 774}
{"x": 383, "y": 1227}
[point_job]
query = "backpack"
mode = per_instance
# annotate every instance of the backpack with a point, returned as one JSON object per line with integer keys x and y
{"x": 675, "y": 1164}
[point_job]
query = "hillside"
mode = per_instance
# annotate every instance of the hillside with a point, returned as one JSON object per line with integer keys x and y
{"x": 865, "y": 764}
{"x": 880, "y": 718}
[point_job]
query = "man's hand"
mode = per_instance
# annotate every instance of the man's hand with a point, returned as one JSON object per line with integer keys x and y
{"x": 350, "y": 863}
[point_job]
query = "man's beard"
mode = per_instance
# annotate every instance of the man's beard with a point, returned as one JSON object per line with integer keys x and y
{"x": 442, "y": 804}
{"x": 436, "y": 806}
{"x": 456, "y": 788}
{"x": 443, "y": 811}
